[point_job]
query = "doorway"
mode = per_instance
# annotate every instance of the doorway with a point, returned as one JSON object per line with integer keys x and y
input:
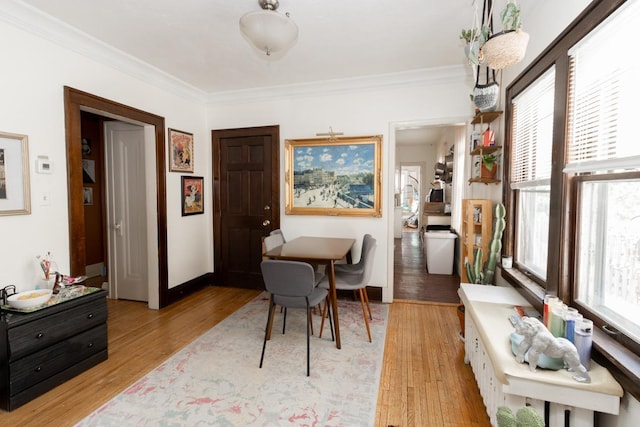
{"x": 155, "y": 160}
{"x": 246, "y": 192}
{"x": 424, "y": 144}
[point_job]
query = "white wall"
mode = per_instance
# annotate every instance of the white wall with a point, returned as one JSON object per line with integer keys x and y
{"x": 353, "y": 112}
{"x": 32, "y": 78}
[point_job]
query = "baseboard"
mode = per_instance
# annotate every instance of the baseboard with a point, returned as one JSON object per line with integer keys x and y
{"x": 187, "y": 288}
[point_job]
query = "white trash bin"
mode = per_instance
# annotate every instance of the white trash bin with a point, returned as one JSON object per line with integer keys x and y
{"x": 440, "y": 248}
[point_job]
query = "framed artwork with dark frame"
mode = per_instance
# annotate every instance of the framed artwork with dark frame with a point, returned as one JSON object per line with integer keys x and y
{"x": 335, "y": 176}
{"x": 180, "y": 151}
{"x": 15, "y": 193}
{"x": 191, "y": 193}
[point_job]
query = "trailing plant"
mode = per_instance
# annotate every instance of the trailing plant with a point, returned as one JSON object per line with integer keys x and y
{"x": 510, "y": 17}
{"x": 469, "y": 35}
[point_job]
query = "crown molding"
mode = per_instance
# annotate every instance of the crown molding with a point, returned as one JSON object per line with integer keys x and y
{"x": 405, "y": 79}
{"x": 32, "y": 20}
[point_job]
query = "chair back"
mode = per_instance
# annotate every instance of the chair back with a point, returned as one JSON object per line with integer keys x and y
{"x": 368, "y": 261}
{"x": 288, "y": 278}
{"x": 367, "y": 241}
{"x": 273, "y": 241}
{"x": 278, "y": 231}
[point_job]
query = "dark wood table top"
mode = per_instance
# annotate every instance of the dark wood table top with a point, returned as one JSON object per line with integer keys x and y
{"x": 312, "y": 248}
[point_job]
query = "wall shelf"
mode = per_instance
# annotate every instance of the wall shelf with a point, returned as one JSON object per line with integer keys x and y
{"x": 486, "y": 181}
{"x": 487, "y": 117}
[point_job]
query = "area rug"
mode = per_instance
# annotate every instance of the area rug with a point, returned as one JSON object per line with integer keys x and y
{"x": 215, "y": 380}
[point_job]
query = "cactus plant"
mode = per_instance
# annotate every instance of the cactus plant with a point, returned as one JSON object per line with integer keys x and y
{"x": 478, "y": 274}
{"x": 495, "y": 246}
{"x": 474, "y": 269}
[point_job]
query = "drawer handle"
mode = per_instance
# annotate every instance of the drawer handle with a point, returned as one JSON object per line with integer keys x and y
{"x": 40, "y": 335}
{"x": 90, "y": 345}
{"x": 38, "y": 368}
{"x": 90, "y": 316}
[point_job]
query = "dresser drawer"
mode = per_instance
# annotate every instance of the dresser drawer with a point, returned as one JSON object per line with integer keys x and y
{"x": 37, "y": 367}
{"x": 33, "y": 336}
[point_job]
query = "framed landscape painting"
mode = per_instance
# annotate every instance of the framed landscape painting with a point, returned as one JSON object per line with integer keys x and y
{"x": 335, "y": 176}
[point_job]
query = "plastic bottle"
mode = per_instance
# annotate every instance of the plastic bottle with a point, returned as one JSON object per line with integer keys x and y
{"x": 549, "y": 300}
{"x": 570, "y": 317}
{"x": 583, "y": 341}
{"x": 557, "y": 320}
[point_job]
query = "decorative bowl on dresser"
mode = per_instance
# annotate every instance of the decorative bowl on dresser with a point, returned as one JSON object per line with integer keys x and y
{"x": 41, "y": 349}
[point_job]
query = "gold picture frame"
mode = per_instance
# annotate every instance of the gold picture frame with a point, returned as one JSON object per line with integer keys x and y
{"x": 15, "y": 194}
{"x": 180, "y": 151}
{"x": 338, "y": 176}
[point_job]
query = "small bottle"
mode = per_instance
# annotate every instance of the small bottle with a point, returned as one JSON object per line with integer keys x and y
{"x": 583, "y": 341}
{"x": 557, "y": 320}
{"x": 549, "y": 300}
{"x": 570, "y": 317}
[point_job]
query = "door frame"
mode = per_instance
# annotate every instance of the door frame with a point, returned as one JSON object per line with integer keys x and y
{"x": 75, "y": 101}
{"x": 216, "y": 134}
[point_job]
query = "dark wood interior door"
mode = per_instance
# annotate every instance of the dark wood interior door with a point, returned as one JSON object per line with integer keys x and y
{"x": 246, "y": 191}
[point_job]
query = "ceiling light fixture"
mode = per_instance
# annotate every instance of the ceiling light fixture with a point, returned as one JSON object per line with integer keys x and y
{"x": 268, "y": 30}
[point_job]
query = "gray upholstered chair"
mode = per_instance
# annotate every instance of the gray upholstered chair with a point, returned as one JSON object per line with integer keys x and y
{"x": 291, "y": 285}
{"x": 357, "y": 282}
{"x": 357, "y": 268}
{"x": 278, "y": 231}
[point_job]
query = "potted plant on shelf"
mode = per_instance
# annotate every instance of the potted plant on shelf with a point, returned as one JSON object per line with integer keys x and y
{"x": 489, "y": 166}
{"x": 508, "y": 46}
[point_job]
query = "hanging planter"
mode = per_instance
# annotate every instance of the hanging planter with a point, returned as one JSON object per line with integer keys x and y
{"x": 507, "y": 47}
{"x": 486, "y": 95}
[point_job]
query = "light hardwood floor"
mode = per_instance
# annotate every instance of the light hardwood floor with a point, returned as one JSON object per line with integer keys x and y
{"x": 424, "y": 381}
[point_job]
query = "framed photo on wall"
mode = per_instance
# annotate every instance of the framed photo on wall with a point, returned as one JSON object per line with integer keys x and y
{"x": 180, "y": 151}
{"x": 191, "y": 193}
{"x": 15, "y": 194}
{"x": 335, "y": 176}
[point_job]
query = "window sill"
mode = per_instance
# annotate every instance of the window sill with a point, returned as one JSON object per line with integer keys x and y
{"x": 623, "y": 364}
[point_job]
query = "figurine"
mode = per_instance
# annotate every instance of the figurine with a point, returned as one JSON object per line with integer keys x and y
{"x": 538, "y": 340}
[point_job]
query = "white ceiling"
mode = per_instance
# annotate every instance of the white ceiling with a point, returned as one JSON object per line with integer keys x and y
{"x": 199, "y": 42}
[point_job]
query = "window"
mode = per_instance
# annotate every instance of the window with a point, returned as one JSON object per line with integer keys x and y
{"x": 602, "y": 143}
{"x": 573, "y": 167}
{"x": 531, "y": 172}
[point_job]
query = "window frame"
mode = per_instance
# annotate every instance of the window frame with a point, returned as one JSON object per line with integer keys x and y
{"x": 619, "y": 355}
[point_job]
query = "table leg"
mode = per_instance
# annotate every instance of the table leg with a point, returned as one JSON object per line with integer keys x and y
{"x": 334, "y": 302}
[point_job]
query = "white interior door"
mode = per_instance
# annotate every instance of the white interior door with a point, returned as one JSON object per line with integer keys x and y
{"x": 126, "y": 211}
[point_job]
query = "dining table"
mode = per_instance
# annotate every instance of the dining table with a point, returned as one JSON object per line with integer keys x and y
{"x": 318, "y": 250}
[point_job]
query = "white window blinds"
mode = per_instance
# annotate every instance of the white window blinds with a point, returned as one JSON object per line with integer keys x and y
{"x": 603, "y": 95}
{"x": 532, "y": 133}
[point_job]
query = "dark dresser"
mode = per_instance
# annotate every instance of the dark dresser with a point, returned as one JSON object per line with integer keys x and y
{"x": 42, "y": 349}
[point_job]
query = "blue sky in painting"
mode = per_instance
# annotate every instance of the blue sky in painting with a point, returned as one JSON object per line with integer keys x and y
{"x": 343, "y": 159}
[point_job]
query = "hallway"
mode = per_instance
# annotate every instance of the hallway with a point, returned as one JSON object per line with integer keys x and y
{"x": 411, "y": 281}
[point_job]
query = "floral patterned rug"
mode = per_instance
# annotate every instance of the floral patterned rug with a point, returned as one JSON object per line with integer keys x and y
{"x": 216, "y": 380}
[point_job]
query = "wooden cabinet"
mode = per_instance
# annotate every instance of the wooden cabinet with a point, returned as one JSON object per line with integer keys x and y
{"x": 477, "y": 224}
{"x": 480, "y": 149}
{"x": 45, "y": 348}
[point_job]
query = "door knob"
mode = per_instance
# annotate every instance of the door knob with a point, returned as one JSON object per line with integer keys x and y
{"x": 266, "y": 222}
{"x": 267, "y": 208}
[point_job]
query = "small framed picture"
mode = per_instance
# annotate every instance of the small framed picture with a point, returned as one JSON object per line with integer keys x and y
{"x": 15, "y": 196}
{"x": 180, "y": 151}
{"x": 192, "y": 201}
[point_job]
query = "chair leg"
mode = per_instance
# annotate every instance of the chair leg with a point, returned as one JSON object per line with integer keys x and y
{"x": 366, "y": 300}
{"x": 267, "y": 329}
{"x": 284, "y": 320}
{"x": 308, "y": 330}
{"x": 327, "y": 306}
{"x": 311, "y": 321}
{"x": 364, "y": 313}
